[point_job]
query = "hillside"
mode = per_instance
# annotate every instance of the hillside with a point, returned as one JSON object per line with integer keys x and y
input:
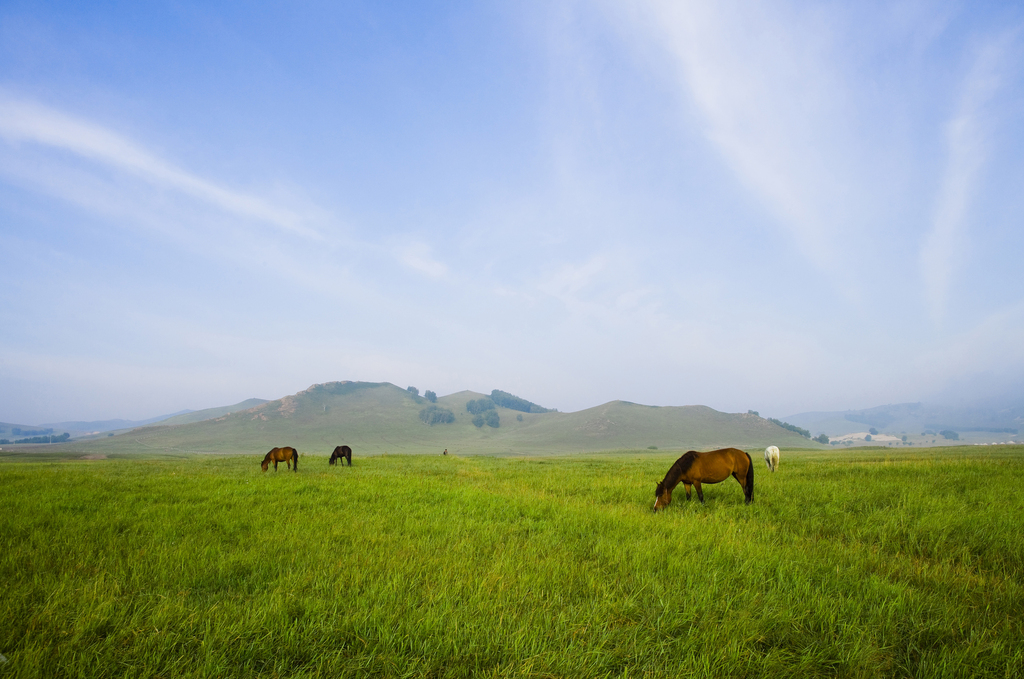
{"x": 211, "y": 413}
{"x": 375, "y": 418}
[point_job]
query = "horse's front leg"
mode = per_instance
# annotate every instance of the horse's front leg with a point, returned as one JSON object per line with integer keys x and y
{"x": 687, "y": 486}
{"x": 275, "y": 465}
{"x": 700, "y": 493}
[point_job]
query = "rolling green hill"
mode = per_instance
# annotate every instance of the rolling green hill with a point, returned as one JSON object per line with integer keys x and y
{"x": 378, "y": 418}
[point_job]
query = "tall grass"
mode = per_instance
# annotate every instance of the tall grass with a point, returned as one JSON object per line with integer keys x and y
{"x": 901, "y": 564}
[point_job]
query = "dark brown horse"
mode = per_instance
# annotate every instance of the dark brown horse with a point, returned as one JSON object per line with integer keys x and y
{"x": 697, "y": 468}
{"x": 288, "y": 455}
{"x": 341, "y": 453}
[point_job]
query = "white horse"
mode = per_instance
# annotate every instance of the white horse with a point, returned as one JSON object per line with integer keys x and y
{"x": 771, "y": 457}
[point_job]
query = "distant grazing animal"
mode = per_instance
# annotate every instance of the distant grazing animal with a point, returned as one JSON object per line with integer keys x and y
{"x": 341, "y": 453}
{"x": 445, "y": 452}
{"x": 697, "y": 468}
{"x": 288, "y": 455}
{"x": 771, "y": 457}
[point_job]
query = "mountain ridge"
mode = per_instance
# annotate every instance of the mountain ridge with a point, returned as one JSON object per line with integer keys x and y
{"x": 379, "y": 417}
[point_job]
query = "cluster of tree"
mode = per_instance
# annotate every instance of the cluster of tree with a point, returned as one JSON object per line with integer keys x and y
{"x": 413, "y": 390}
{"x": 507, "y": 400}
{"x": 949, "y": 434}
{"x": 791, "y": 427}
{"x": 430, "y": 396}
{"x": 437, "y": 415}
{"x": 821, "y": 439}
{"x": 18, "y": 431}
{"x": 477, "y": 406}
{"x": 40, "y": 439}
{"x": 754, "y": 413}
{"x": 490, "y": 418}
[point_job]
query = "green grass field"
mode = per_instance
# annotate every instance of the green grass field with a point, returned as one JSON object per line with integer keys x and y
{"x": 849, "y": 563}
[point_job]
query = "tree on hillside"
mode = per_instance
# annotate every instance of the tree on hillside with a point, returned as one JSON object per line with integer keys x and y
{"x": 754, "y": 413}
{"x": 430, "y": 396}
{"x": 868, "y": 437}
{"x": 791, "y": 427}
{"x": 478, "y": 406}
{"x": 507, "y": 400}
{"x": 491, "y": 419}
{"x": 821, "y": 439}
{"x": 949, "y": 434}
{"x": 413, "y": 390}
{"x": 437, "y": 415}
{"x": 873, "y": 431}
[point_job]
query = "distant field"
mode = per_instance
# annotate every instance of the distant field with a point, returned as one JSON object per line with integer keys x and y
{"x": 849, "y": 563}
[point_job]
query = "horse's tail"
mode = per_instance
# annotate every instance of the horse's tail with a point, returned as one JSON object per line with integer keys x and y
{"x": 750, "y": 479}
{"x": 295, "y": 460}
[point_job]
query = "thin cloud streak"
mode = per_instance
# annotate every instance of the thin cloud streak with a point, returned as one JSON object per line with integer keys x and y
{"x": 967, "y": 141}
{"x": 770, "y": 105}
{"x": 23, "y": 121}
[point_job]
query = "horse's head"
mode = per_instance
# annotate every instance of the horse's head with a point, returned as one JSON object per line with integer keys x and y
{"x": 663, "y": 497}
{"x": 265, "y": 464}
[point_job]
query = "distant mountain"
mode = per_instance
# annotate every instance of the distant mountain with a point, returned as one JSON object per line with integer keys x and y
{"x": 77, "y": 427}
{"x": 375, "y": 418}
{"x": 914, "y": 418}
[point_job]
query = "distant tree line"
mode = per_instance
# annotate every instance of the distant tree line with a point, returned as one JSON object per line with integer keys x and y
{"x": 949, "y": 434}
{"x": 791, "y": 427}
{"x": 437, "y": 415}
{"x": 507, "y": 400}
{"x": 821, "y": 438}
{"x": 18, "y": 431}
{"x": 39, "y": 439}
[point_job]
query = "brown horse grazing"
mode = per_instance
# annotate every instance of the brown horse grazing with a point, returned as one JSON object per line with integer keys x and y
{"x": 341, "y": 453}
{"x": 697, "y": 468}
{"x": 288, "y": 455}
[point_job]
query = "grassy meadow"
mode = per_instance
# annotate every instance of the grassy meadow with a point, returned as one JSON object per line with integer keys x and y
{"x": 849, "y": 563}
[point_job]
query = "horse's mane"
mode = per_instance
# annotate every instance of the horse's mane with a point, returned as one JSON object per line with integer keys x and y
{"x": 681, "y": 466}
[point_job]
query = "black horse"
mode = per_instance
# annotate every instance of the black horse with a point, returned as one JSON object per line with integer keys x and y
{"x": 341, "y": 453}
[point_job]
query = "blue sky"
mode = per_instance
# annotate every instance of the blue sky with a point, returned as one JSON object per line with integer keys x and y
{"x": 782, "y": 207}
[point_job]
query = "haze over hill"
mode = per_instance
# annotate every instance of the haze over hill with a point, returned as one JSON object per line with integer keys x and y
{"x": 902, "y": 418}
{"x": 375, "y": 418}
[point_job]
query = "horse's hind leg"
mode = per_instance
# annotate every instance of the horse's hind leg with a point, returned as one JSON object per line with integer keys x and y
{"x": 743, "y": 484}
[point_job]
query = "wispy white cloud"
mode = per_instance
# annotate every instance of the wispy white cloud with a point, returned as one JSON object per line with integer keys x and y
{"x": 27, "y": 122}
{"x": 769, "y": 102}
{"x": 420, "y": 257}
{"x": 967, "y": 144}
